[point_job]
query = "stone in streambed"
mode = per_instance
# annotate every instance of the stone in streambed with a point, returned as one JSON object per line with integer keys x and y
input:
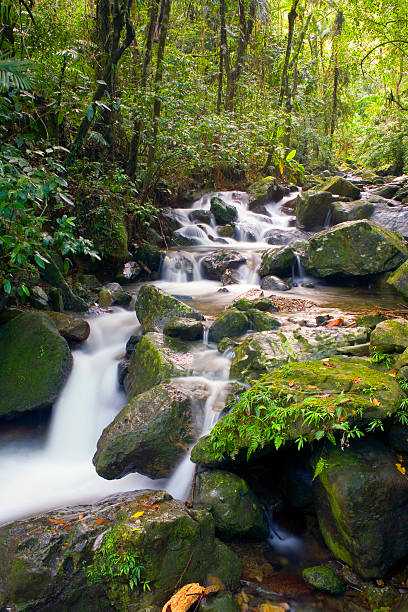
{"x": 340, "y": 186}
{"x": 185, "y": 329}
{"x": 200, "y": 215}
{"x": 362, "y": 501}
{"x": 312, "y": 210}
{"x": 38, "y": 298}
{"x": 390, "y": 336}
{"x": 216, "y": 264}
{"x": 153, "y": 432}
{"x": 155, "y": 359}
{"x": 224, "y": 213}
{"x": 53, "y": 275}
{"x": 261, "y": 321}
{"x": 262, "y": 303}
{"x": 105, "y": 298}
{"x": 369, "y": 320}
{"x": 399, "y": 280}
{"x": 35, "y": 363}
{"x": 324, "y": 579}
{"x": 154, "y": 308}
{"x": 274, "y": 283}
{"x": 351, "y": 211}
{"x": 70, "y": 326}
{"x": 232, "y": 323}
{"x": 44, "y": 566}
{"x": 277, "y": 261}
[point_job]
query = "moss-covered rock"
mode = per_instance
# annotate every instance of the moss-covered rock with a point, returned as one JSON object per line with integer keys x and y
{"x": 362, "y": 501}
{"x": 324, "y": 579}
{"x": 351, "y": 211}
{"x": 185, "y": 329}
{"x": 43, "y": 565}
{"x": 329, "y": 392}
{"x": 354, "y": 248}
{"x": 265, "y": 351}
{"x": 130, "y": 273}
{"x": 70, "y": 327}
{"x": 216, "y": 264}
{"x": 399, "y": 280}
{"x": 262, "y": 321}
{"x": 263, "y": 303}
{"x": 153, "y": 432}
{"x": 312, "y": 210}
{"x": 35, "y": 363}
{"x": 234, "y": 507}
{"x": 155, "y": 359}
{"x": 154, "y": 308}
{"x": 369, "y": 320}
{"x": 199, "y": 215}
{"x": 232, "y": 323}
{"x": 264, "y": 191}
{"x": 226, "y": 231}
{"x": 340, "y": 186}
{"x": 277, "y": 261}
{"x": 38, "y": 298}
{"x": 53, "y": 275}
{"x": 224, "y": 213}
{"x": 390, "y": 336}
{"x": 105, "y": 298}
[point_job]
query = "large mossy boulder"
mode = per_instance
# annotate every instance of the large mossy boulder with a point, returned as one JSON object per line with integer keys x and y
{"x": 361, "y": 500}
{"x": 184, "y": 329}
{"x": 45, "y": 560}
{"x": 399, "y": 280}
{"x": 35, "y": 362}
{"x": 232, "y": 323}
{"x": 312, "y": 211}
{"x": 216, "y": 264}
{"x": 323, "y": 579}
{"x": 155, "y": 359}
{"x": 351, "y": 211}
{"x": 265, "y": 351}
{"x": 264, "y": 191}
{"x": 337, "y": 185}
{"x": 262, "y": 321}
{"x": 277, "y": 261}
{"x": 224, "y": 213}
{"x": 235, "y": 508}
{"x": 153, "y": 432}
{"x": 354, "y": 248}
{"x": 154, "y": 308}
{"x": 280, "y": 408}
{"x": 390, "y": 336}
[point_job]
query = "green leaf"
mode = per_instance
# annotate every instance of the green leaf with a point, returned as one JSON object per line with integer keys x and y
{"x": 90, "y": 113}
{"x": 7, "y": 285}
{"x": 291, "y": 155}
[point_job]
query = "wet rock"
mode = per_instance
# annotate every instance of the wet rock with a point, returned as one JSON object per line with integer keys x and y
{"x": 171, "y": 219}
{"x": 225, "y": 344}
{"x": 399, "y": 280}
{"x": 324, "y": 579}
{"x": 277, "y": 261}
{"x": 369, "y": 320}
{"x": 284, "y": 236}
{"x": 261, "y": 321}
{"x": 354, "y": 248}
{"x": 398, "y": 437}
{"x": 38, "y": 298}
{"x": 217, "y": 263}
{"x": 394, "y": 218}
{"x": 149, "y": 257}
{"x": 274, "y": 283}
{"x": 224, "y": 213}
{"x": 119, "y": 296}
{"x": 390, "y": 336}
{"x": 351, "y": 211}
{"x": 123, "y": 370}
{"x": 321, "y": 383}
{"x": 52, "y": 274}
{"x": 153, "y": 432}
{"x": 130, "y": 273}
{"x": 340, "y": 186}
{"x": 361, "y": 502}
{"x": 155, "y": 359}
{"x": 47, "y": 568}
{"x": 201, "y": 216}
{"x": 185, "y": 329}
{"x": 131, "y": 343}
{"x": 260, "y": 303}
{"x": 220, "y": 602}
{"x": 226, "y": 231}
{"x": 266, "y": 351}
{"x": 189, "y": 235}
{"x": 388, "y": 191}
{"x": 154, "y": 308}
{"x": 70, "y": 327}
{"x": 230, "y": 277}
{"x": 35, "y": 363}
{"x": 235, "y": 508}
{"x": 105, "y": 298}
{"x": 264, "y": 191}
{"x": 232, "y": 323}
{"x": 204, "y": 454}
{"x": 313, "y": 209}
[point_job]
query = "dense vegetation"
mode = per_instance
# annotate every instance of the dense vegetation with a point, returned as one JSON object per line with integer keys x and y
{"x": 109, "y": 107}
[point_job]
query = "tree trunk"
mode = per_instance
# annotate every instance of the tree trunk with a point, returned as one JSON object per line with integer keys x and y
{"x": 223, "y": 51}
{"x": 284, "y": 87}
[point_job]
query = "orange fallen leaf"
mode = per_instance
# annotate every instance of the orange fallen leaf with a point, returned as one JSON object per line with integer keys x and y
{"x": 53, "y": 531}
{"x": 328, "y": 364}
{"x": 156, "y": 506}
{"x": 291, "y": 383}
{"x": 80, "y": 517}
{"x": 336, "y": 322}
{"x": 184, "y": 598}
{"x": 65, "y": 544}
{"x": 375, "y": 401}
{"x": 57, "y": 521}
{"x": 400, "y": 458}
{"x": 345, "y": 401}
{"x": 68, "y": 527}
{"x": 99, "y": 521}
{"x": 401, "y": 469}
{"x": 357, "y": 380}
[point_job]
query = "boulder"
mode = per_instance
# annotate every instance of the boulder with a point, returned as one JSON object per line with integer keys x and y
{"x": 260, "y": 303}
{"x": 312, "y": 211}
{"x": 354, "y": 248}
{"x": 264, "y": 191}
{"x": 262, "y": 321}
{"x": 105, "y": 298}
{"x": 185, "y": 329}
{"x": 232, "y": 323}
{"x": 394, "y": 218}
{"x": 399, "y": 280}
{"x": 226, "y": 231}
{"x": 369, "y": 320}
{"x": 70, "y": 327}
{"x": 90, "y": 282}
{"x": 284, "y": 236}
{"x": 200, "y": 215}
{"x": 277, "y": 261}
{"x": 265, "y": 351}
{"x": 189, "y": 235}
{"x": 224, "y": 213}
{"x": 53, "y": 275}
{"x": 235, "y": 508}
{"x": 38, "y": 298}
{"x": 170, "y": 219}
{"x": 35, "y": 364}
{"x": 153, "y": 432}
{"x": 149, "y": 256}
{"x": 130, "y": 273}
{"x": 50, "y": 561}
{"x": 154, "y": 308}
{"x": 155, "y": 359}
{"x": 323, "y": 579}
{"x": 274, "y": 283}
{"x": 131, "y": 343}
{"x": 351, "y": 211}
{"x": 340, "y": 186}
{"x": 390, "y": 336}
{"x": 217, "y": 263}
{"x": 119, "y": 296}
{"x": 398, "y": 437}
{"x": 338, "y": 390}
{"x": 362, "y": 501}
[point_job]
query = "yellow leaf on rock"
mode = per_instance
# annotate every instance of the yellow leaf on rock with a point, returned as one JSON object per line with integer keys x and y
{"x": 401, "y": 469}
{"x": 137, "y": 514}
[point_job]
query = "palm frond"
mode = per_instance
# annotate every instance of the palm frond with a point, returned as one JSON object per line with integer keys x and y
{"x": 15, "y": 74}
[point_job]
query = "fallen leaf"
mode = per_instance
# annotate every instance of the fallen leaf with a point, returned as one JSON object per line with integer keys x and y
{"x": 137, "y": 514}
{"x": 401, "y": 469}
{"x": 65, "y": 544}
{"x": 68, "y": 527}
{"x": 392, "y": 372}
{"x": 80, "y": 517}
{"x": 357, "y": 380}
{"x": 375, "y": 401}
{"x": 99, "y": 521}
{"x": 215, "y": 584}
{"x": 335, "y": 322}
{"x": 57, "y": 521}
{"x": 331, "y": 408}
{"x": 324, "y": 396}
{"x": 156, "y": 506}
{"x": 328, "y": 364}
{"x": 380, "y": 582}
{"x": 400, "y": 458}
{"x": 53, "y": 530}
{"x": 291, "y": 383}
{"x": 345, "y": 401}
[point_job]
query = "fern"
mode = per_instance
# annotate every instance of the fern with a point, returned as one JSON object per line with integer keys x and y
{"x": 15, "y": 74}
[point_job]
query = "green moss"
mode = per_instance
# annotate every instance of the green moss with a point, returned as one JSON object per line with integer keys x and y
{"x": 231, "y": 323}
{"x": 154, "y": 308}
